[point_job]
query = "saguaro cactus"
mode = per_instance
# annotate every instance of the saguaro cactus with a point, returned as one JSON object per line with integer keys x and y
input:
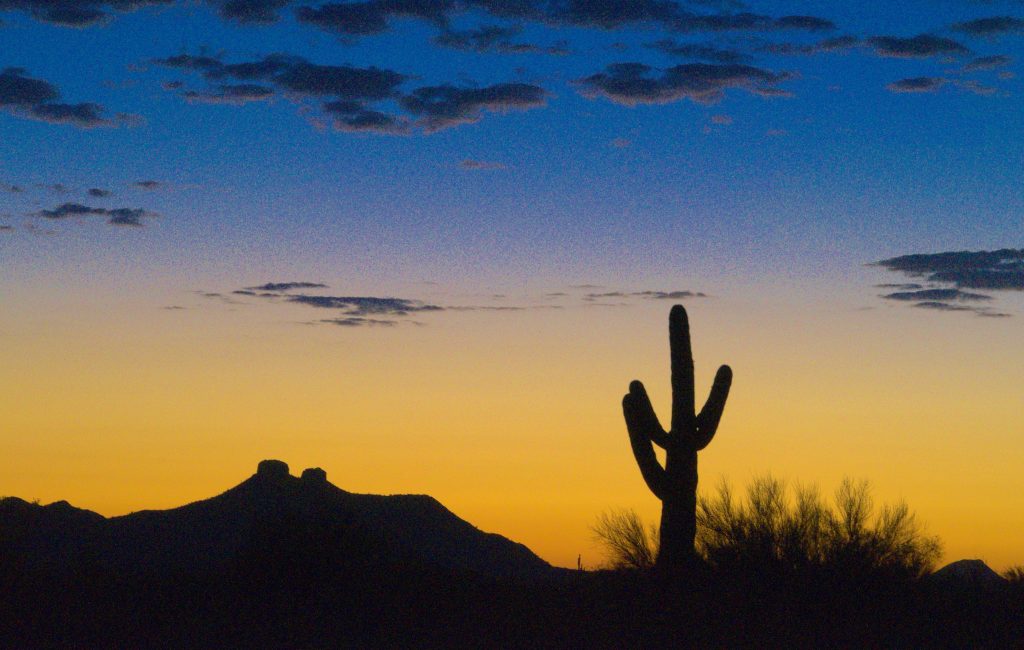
{"x": 675, "y": 483}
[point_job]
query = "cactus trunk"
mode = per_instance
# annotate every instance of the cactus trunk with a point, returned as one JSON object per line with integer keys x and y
{"x": 675, "y": 483}
{"x": 679, "y": 513}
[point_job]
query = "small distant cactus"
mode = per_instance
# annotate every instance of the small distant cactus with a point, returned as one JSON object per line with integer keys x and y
{"x": 675, "y": 483}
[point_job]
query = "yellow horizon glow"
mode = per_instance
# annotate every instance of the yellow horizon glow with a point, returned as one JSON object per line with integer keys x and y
{"x": 513, "y": 421}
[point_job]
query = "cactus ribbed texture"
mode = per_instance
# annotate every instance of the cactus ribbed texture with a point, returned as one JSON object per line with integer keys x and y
{"x": 675, "y": 483}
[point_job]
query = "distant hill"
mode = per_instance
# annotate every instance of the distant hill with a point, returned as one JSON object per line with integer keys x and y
{"x": 965, "y": 574}
{"x": 208, "y": 534}
{"x": 277, "y": 561}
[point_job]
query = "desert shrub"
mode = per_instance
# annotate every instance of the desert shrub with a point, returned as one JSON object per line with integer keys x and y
{"x": 1015, "y": 575}
{"x": 628, "y": 542}
{"x": 776, "y": 531}
{"x": 804, "y": 533}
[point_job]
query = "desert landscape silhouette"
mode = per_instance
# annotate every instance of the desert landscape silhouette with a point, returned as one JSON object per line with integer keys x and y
{"x": 286, "y": 561}
{"x": 342, "y": 324}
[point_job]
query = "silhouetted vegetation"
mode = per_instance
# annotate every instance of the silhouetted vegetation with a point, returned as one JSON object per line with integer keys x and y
{"x": 787, "y": 568}
{"x": 772, "y": 531}
{"x": 1015, "y": 575}
{"x": 804, "y": 533}
{"x": 675, "y": 483}
{"x": 630, "y": 544}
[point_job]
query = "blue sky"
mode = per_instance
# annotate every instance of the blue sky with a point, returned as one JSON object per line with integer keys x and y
{"x": 564, "y": 141}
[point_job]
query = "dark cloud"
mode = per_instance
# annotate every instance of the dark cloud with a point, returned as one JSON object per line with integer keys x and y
{"x": 18, "y": 90}
{"x": 607, "y": 14}
{"x": 372, "y": 17}
{"x": 494, "y": 38}
{"x": 916, "y": 47}
{"x": 670, "y": 295}
{"x": 688, "y": 22}
{"x": 354, "y": 117}
{"x": 342, "y": 81}
{"x": 706, "y": 52}
{"x": 66, "y": 210}
{"x": 652, "y": 295}
{"x": 364, "y": 305}
{"x": 902, "y": 286}
{"x": 354, "y": 88}
{"x": 116, "y": 217}
{"x": 497, "y": 308}
{"x": 361, "y": 310}
{"x": 354, "y": 19}
{"x": 987, "y": 63}
{"x": 636, "y": 83}
{"x": 994, "y": 270}
{"x": 148, "y": 184}
{"x": 484, "y": 38}
{"x": 230, "y": 94}
{"x": 355, "y": 91}
{"x": 610, "y": 14}
{"x": 127, "y": 216}
{"x": 613, "y": 14}
{"x": 191, "y": 62}
{"x": 297, "y": 75}
{"x": 984, "y": 312}
{"x": 98, "y": 193}
{"x": 976, "y": 87}
{"x": 353, "y": 310}
{"x": 441, "y": 107}
{"x": 481, "y": 165}
{"x": 942, "y": 306}
{"x": 86, "y": 115}
{"x": 806, "y": 23}
{"x": 561, "y": 48}
{"x": 992, "y": 314}
{"x": 350, "y": 305}
{"x": 287, "y": 286}
{"x": 951, "y": 272}
{"x": 220, "y": 297}
{"x": 6, "y": 228}
{"x": 11, "y": 189}
{"x": 76, "y": 13}
{"x": 250, "y": 11}
{"x": 34, "y": 99}
{"x": 936, "y": 295}
{"x": 837, "y": 44}
{"x": 254, "y": 294}
{"x": 917, "y": 85}
{"x": 993, "y": 26}
{"x": 357, "y": 321}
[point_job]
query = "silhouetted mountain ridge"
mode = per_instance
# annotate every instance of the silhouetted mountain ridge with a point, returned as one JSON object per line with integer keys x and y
{"x": 281, "y": 561}
{"x": 211, "y": 533}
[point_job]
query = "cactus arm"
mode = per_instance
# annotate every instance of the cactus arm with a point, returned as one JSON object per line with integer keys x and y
{"x": 643, "y": 450}
{"x": 711, "y": 414}
{"x": 647, "y": 420}
{"x": 682, "y": 371}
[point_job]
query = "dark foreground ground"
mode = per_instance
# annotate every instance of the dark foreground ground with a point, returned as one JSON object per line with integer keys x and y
{"x": 287, "y": 562}
{"x": 291, "y": 595}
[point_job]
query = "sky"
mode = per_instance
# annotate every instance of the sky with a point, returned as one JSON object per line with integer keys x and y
{"x": 426, "y": 246}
